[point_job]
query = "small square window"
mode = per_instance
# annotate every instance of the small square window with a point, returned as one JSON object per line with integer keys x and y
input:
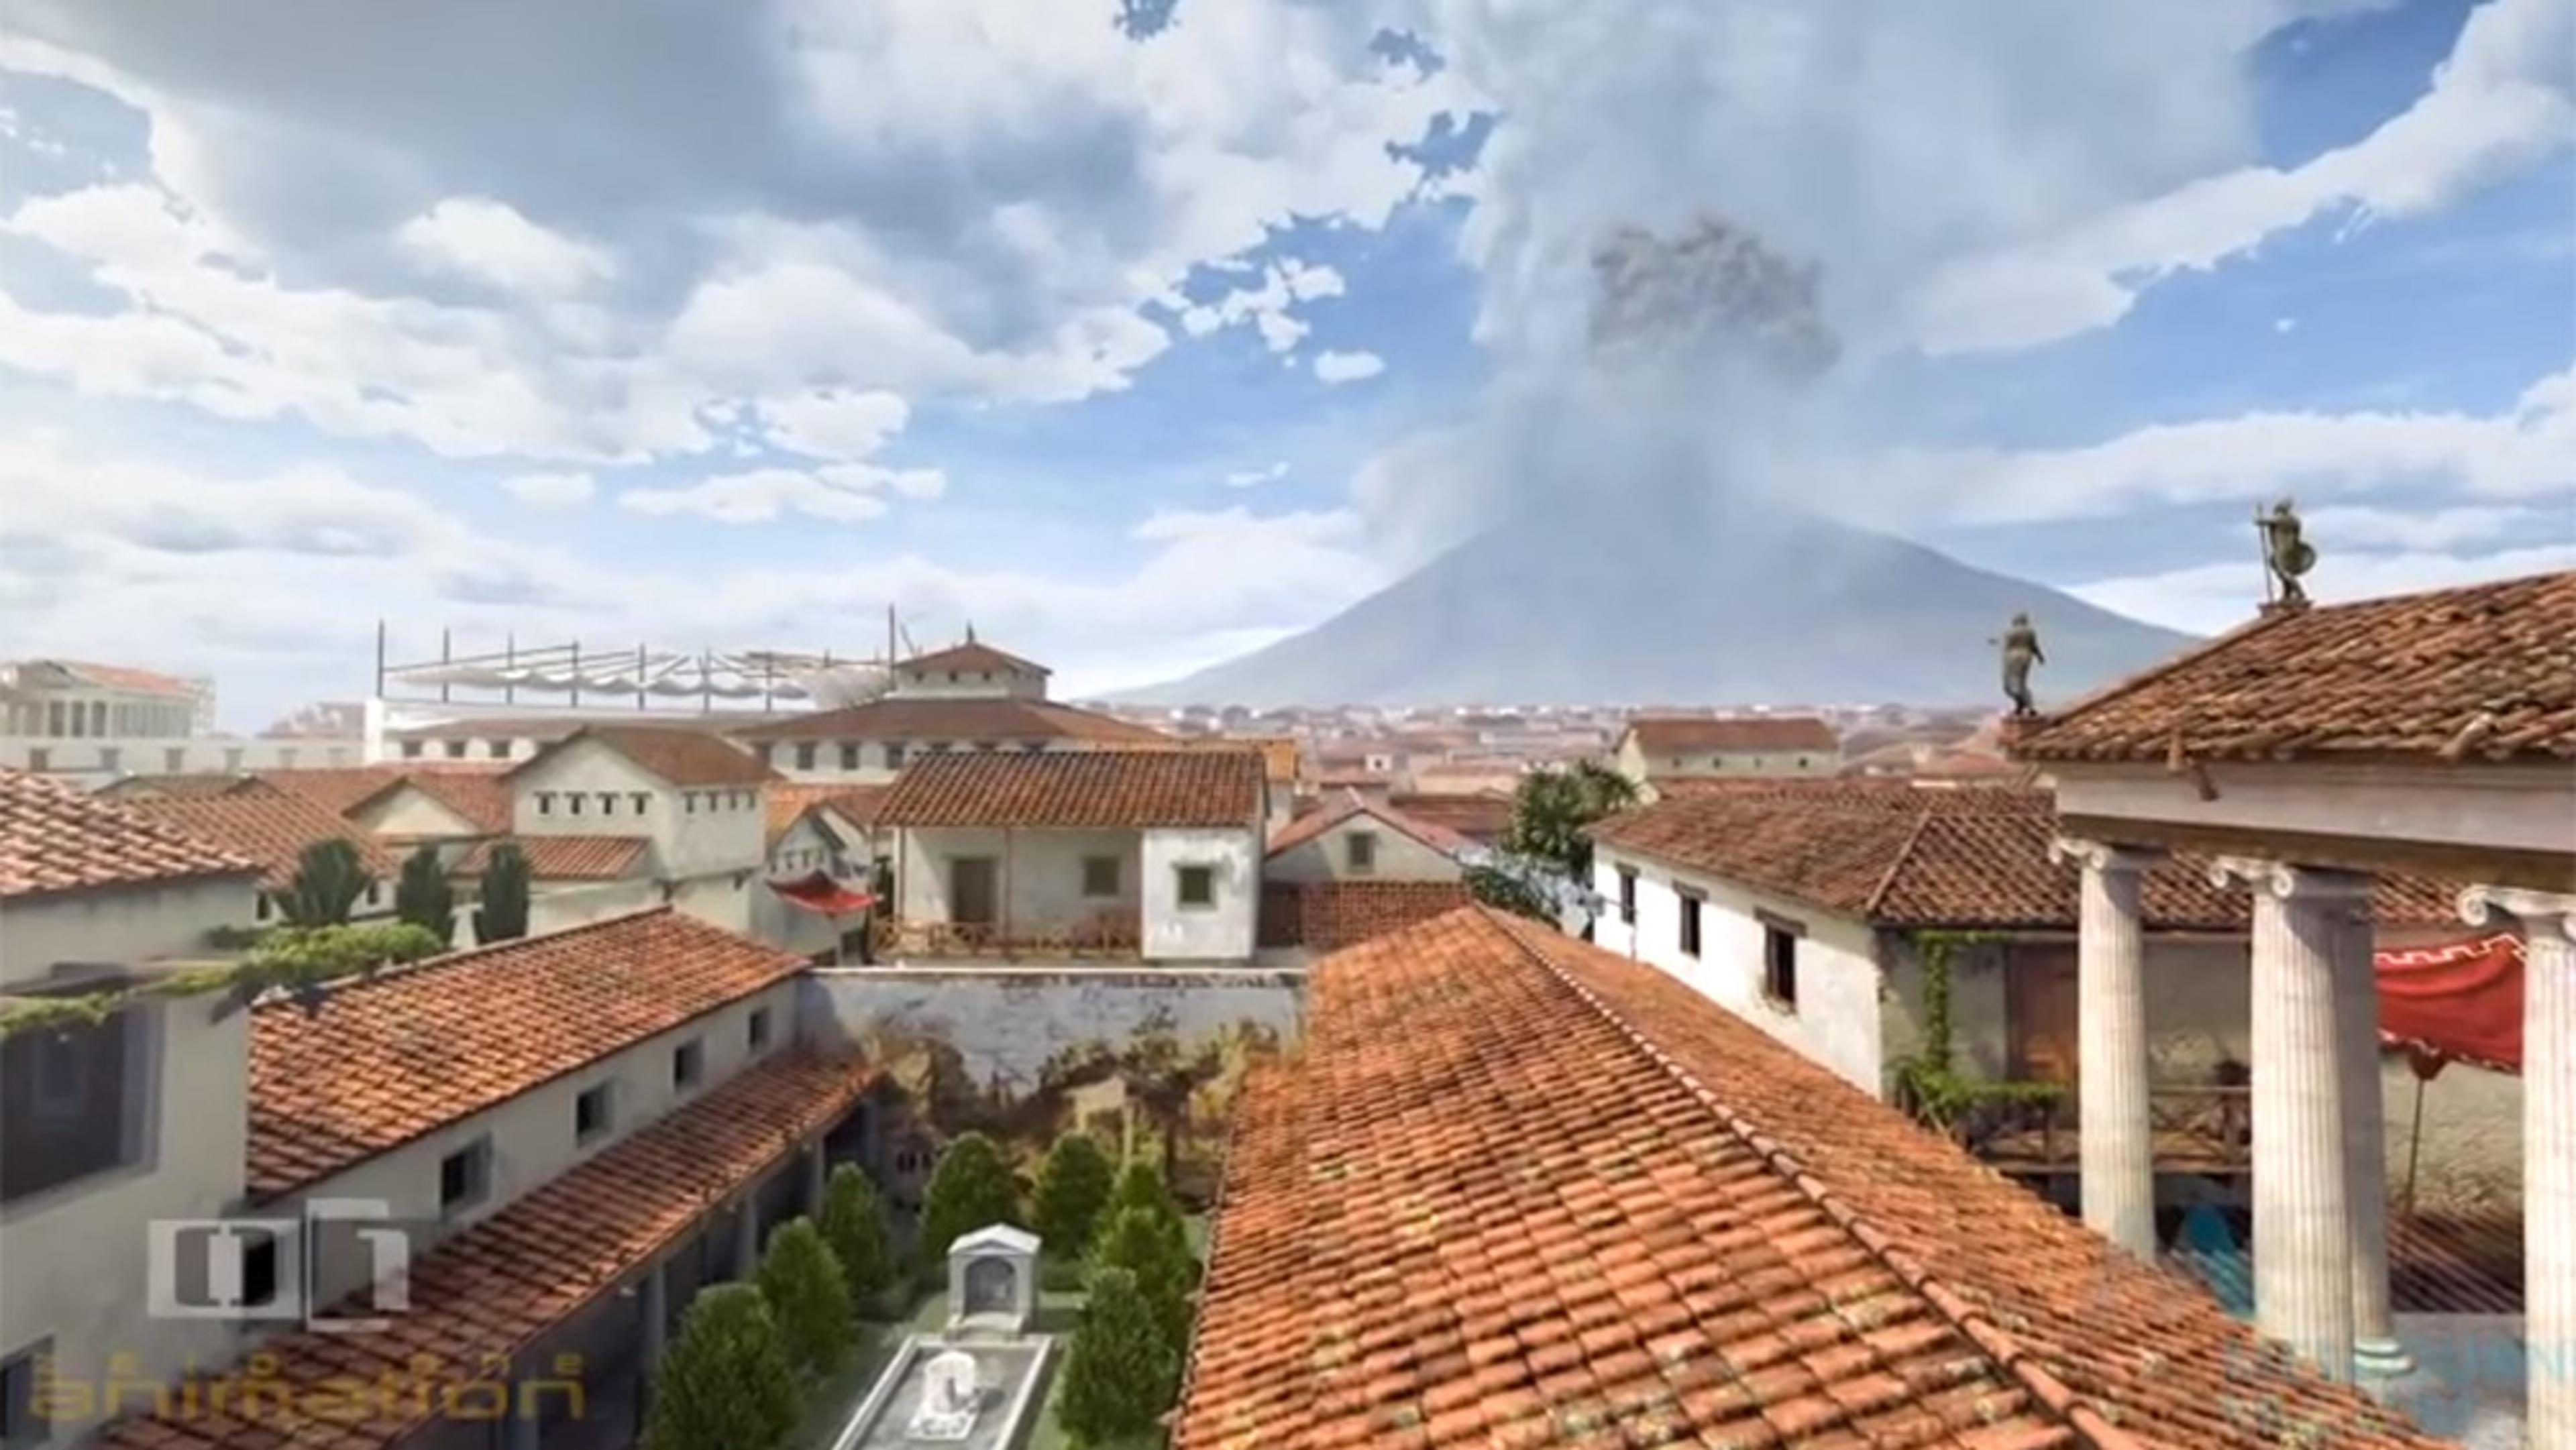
{"x": 174, "y": 759}
{"x": 411, "y": 750}
{"x": 590, "y": 1113}
{"x": 759, "y": 1031}
{"x": 1099, "y": 875}
{"x": 455, "y": 749}
{"x": 894, "y": 755}
{"x": 22, "y": 1421}
{"x": 39, "y": 758}
{"x": 1690, "y": 926}
{"x": 1361, "y": 849}
{"x": 805, "y": 755}
{"x": 985, "y": 745}
{"x": 465, "y": 1176}
{"x": 688, "y": 1064}
{"x": 849, "y": 755}
{"x": 1195, "y": 885}
{"x": 497, "y": 749}
{"x": 259, "y": 1270}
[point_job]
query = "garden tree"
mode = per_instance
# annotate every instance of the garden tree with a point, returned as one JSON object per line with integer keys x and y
{"x": 1122, "y": 1370}
{"x": 1138, "y": 1243}
{"x": 1552, "y": 808}
{"x": 810, "y": 1296}
{"x": 1073, "y": 1187}
{"x": 726, "y": 1383}
{"x": 329, "y": 879}
{"x": 1141, "y": 1187}
{"x": 422, "y": 895}
{"x": 970, "y": 1189}
{"x": 503, "y": 916}
{"x": 854, "y": 1226}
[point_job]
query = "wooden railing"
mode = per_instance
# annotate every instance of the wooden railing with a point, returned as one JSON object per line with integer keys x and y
{"x": 1109, "y": 936}
{"x": 2196, "y": 1128}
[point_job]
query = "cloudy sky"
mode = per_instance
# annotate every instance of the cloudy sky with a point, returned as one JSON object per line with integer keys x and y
{"x": 1145, "y": 332}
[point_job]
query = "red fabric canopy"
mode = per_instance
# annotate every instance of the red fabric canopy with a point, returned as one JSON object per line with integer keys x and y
{"x": 819, "y": 892}
{"x": 2461, "y": 1002}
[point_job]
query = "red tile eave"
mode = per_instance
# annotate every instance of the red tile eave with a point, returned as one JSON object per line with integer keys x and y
{"x": 486, "y": 1295}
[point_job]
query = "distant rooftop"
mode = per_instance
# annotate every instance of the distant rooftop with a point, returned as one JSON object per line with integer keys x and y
{"x": 55, "y": 838}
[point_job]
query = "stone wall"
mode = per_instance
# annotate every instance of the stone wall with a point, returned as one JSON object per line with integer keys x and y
{"x": 1328, "y": 915}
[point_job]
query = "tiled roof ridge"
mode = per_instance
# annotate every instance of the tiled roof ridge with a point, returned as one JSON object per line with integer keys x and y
{"x": 1215, "y": 1221}
{"x": 1896, "y": 863}
{"x": 2130, "y": 684}
{"x": 2089, "y": 1423}
{"x": 405, "y": 971}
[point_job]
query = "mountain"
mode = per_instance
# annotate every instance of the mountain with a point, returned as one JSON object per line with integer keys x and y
{"x": 1709, "y": 601}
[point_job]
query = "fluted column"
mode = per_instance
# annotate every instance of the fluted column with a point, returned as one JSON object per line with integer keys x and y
{"x": 2365, "y": 1140}
{"x": 2548, "y": 1149}
{"x": 2116, "y": 1136}
{"x": 2302, "y": 1216}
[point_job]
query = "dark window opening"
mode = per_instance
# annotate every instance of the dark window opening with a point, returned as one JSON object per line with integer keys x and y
{"x": 465, "y": 1176}
{"x": 68, "y": 1104}
{"x": 1196, "y": 885}
{"x": 1780, "y": 966}
{"x": 22, "y": 1421}
{"x": 849, "y": 755}
{"x": 259, "y": 1271}
{"x": 1690, "y": 925}
{"x": 1627, "y": 897}
{"x": 805, "y": 755}
{"x": 590, "y": 1116}
{"x": 759, "y": 1028}
{"x": 688, "y": 1064}
{"x": 1099, "y": 875}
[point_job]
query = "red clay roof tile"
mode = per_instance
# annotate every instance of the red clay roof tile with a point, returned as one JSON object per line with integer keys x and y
{"x": 1666, "y": 734}
{"x": 959, "y": 720}
{"x": 971, "y": 655}
{"x": 681, "y": 757}
{"x": 271, "y": 827}
{"x": 564, "y": 858}
{"x": 1101, "y": 789}
{"x": 56, "y": 838}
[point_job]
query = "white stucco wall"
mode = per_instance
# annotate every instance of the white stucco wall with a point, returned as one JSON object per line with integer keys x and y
{"x": 2513, "y": 807}
{"x": 1222, "y": 932}
{"x": 1837, "y": 1021}
{"x": 1041, "y": 877}
{"x": 118, "y": 926}
{"x": 1327, "y": 857}
{"x": 555, "y": 905}
{"x": 409, "y": 811}
{"x": 969, "y": 684}
{"x": 875, "y": 761}
{"x": 726, "y": 832}
{"x": 73, "y": 1260}
{"x": 84, "y": 762}
{"x": 723, "y": 901}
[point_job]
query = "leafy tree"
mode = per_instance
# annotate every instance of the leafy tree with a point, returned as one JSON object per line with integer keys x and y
{"x": 810, "y": 1296}
{"x": 503, "y": 916}
{"x": 970, "y": 1189}
{"x": 1073, "y": 1187}
{"x": 423, "y": 897}
{"x": 1508, "y": 891}
{"x": 727, "y": 1382}
{"x": 1142, "y": 1245}
{"x": 1122, "y": 1370}
{"x": 329, "y": 879}
{"x": 1552, "y": 809}
{"x": 854, "y": 1226}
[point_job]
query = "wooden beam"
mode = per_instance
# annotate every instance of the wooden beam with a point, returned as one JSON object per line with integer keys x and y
{"x": 2494, "y": 866}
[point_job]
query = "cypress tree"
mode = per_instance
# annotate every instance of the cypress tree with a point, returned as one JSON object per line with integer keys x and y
{"x": 503, "y": 916}
{"x": 854, "y": 1226}
{"x": 423, "y": 897}
{"x": 1122, "y": 1371}
{"x": 970, "y": 1189}
{"x": 810, "y": 1296}
{"x": 726, "y": 1383}
{"x": 1072, "y": 1189}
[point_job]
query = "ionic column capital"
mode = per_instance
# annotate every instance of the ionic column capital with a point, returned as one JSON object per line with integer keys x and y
{"x": 2542, "y": 913}
{"x": 2103, "y": 855}
{"x": 2289, "y": 882}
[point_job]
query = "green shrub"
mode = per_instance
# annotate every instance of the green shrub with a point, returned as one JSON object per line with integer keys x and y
{"x": 329, "y": 879}
{"x": 423, "y": 897}
{"x": 970, "y": 1189}
{"x": 726, "y": 1383}
{"x": 1073, "y": 1187}
{"x": 807, "y": 1291}
{"x": 854, "y": 1226}
{"x": 503, "y": 916}
{"x": 1137, "y": 1243}
{"x": 1122, "y": 1370}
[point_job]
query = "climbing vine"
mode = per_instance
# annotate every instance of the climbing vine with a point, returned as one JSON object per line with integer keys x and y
{"x": 299, "y": 961}
{"x": 1928, "y": 1080}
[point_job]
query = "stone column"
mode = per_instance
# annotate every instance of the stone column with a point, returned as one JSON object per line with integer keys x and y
{"x": 746, "y": 1236}
{"x": 2365, "y": 1140}
{"x": 2116, "y": 1136}
{"x": 818, "y": 1173}
{"x": 2548, "y": 1149}
{"x": 2302, "y": 1218}
{"x": 653, "y": 1333}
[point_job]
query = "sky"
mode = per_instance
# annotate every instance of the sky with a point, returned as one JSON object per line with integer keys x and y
{"x": 1143, "y": 332}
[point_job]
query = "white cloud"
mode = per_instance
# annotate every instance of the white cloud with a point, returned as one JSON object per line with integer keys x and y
{"x": 2431, "y": 530}
{"x": 843, "y": 493}
{"x": 827, "y": 424}
{"x": 550, "y": 490}
{"x": 2285, "y": 324}
{"x": 2504, "y": 99}
{"x": 1253, "y": 477}
{"x": 477, "y": 237}
{"x": 1348, "y": 367}
{"x": 1268, "y": 307}
{"x": 2209, "y": 598}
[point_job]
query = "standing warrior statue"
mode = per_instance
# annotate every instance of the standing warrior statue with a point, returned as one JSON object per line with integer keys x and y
{"x": 2285, "y": 554}
{"x": 2021, "y": 650}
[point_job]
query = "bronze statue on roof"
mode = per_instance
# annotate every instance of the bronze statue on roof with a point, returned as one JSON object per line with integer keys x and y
{"x": 2285, "y": 554}
{"x": 2021, "y": 651}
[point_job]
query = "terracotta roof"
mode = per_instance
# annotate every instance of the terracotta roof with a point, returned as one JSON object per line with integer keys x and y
{"x": 1330, "y": 814}
{"x": 971, "y": 656}
{"x": 1479, "y": 816}
{"x": 958, "y": 720}
{"x": 125, "y": 677}
{"x": 336, "y": 789}
{"x": 1108, "y": 789}
{"x": 2486, "y": 671}
{"x": 482, "y": 1297}
{"x": 56, "y": 838}
{"x": 787, "y": 804}
{"x": 1516, "y": 1191}
{"x": 1278, "y": 752}
{"x": 388, "y": 1059}
{"x": 1667, "y": 734}
{"x": 564, "y": 858}
{"x": 271, "y": 827}
{"x": 184, "y": 785}
{"x": 477, "y": 795}
{"x": 1901, "y": 855}
{"x": 681, "y": 757}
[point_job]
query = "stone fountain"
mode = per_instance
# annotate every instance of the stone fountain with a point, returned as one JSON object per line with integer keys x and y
{"x": 977, "y": 1386}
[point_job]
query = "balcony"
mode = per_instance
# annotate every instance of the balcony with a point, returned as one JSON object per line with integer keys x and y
{"x": 2200, "y": 1128}
{"x": 1112, "y": 936}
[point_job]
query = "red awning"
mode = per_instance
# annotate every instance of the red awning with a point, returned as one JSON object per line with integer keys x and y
{"x": 2461, "y": 1002}
{"x": 818, "y": 892}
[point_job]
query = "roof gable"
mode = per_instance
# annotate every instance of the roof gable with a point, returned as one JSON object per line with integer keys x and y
{"x": 1322, "y": 821}
{"x": 970, "y": 655}
{"x": 678, "y": 755}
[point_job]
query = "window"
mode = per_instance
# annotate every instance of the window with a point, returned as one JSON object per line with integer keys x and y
{"x": 769, "y": 755}
{"x": 286, "y": 758}
{"x": 759, "y": 1029}
{"x": 1099, "y": 875}
{"x": 894, "y": 755}
{"x": 1627, "y": 896}
{"x": 411, "y": 750}
{"x": 688, "y": 1064}
{"x": 689, "y": 803}
{"x": 72, "y": 1102}
{"x": 22, "y": 1421}
{"x": 545, "y": 803}
{"x": 1780, "y": 963}
{"x": 952, "y": 677}
{"x": 1360, "y": 847}
{"x": 1802, "y": 762}
{"x": 98, "y": 717}
{"x": 849, "y": 755}
{"x": 572, "y": 802}
{"x": 1033, "y": 747}
{"x": 110, "y": 757}
{"x": 984, "y": 745}
{"x": 465, "y": 1176}
{"x": 39, "y": 758}
{"x": 233, "y": 759}
{"x": 455, "y": 749}
{"x": 372, "y": 889}
{"x": 642, "y": 799}
{"x": 1195, "y": 885}
{"x": 608, "y": 803}
{"x": 590, "y": 1113}
{"x": 175, "y": 759}
{"x": 259, "y": 1269}
{"x": 1690, "y": 924}
{"x": 262, "y": 907}
{"x": 497, "y": 749}
{"x": 54, "y": 719}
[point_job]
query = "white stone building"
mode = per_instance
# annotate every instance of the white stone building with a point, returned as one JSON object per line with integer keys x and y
{"x": 1152, "y": 853}
{"x": 91, "y": 724}
{"x": 1655, "y": 750}
{"x": 1359, "y": 838}
{"x": 699, "y": 802}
